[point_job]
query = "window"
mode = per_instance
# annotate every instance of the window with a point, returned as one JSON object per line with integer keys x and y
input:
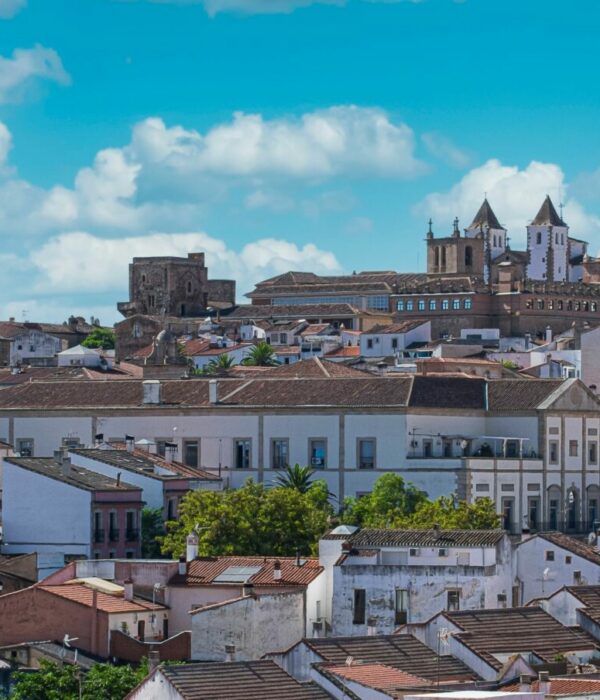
{"x": 592, "y": 512}
{"x": 370, "y": 343}
{"x": 409, "y": 305}
{"x": 427, "y": 448}
{"x": 549, "y": 555}
{"x": 279, "y": 453}
{"x": 70, "y": 442}
{"x": 456, "y": 304}
{"x": 469, "y": 255}
{"x": 242, "y": 451}
{"x": 283, "y": 338}
{"x": 568, "y": 559}
{"x": 98, "y": 531}
{"x": 190, "y": 453}
{"x": 443, "y": 552}
{"x": 540, "y": 304}
{"x": 400, "y": 305}
{"x": 482, "y": 487}
{"x": 468, "y": 304}
{"x": 593, "y": 452}
{"x": 556, "y": 238}
{"x": 445, "y": 305}
{"x": 551, "y": 304}
{"x": 161, "y": 447}
{"x": 432, "y": 304}
{"x": 151, "y": 300}
{"x": 366, "y": 453}
{"x": 573, "y": 448}
{"x": 553, "y": 452}
{"x": 394, "y": 343}
{"x": 171, "y": 508}
{"x": 559, "y": 305}
{"x": 317, "y": 448}
{"x": 533, "y": 508}
{"x": 189, "y": 287}
{"x": 453, "y": 602}
{"x": 401, "y": 606}
{"x": 553, "y": 511}
{"x": 421, "y": 304}
{"x": 25, "y": 447}
{"x": 539, "y": 238}
{"x": 360, "y": 605}
{"x": 113, "y": 529}
{"x": 131, "y": 530}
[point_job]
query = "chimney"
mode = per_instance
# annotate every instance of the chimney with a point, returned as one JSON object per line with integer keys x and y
{"x": 128, "y": 589}
{"x": 191, "y": 547}
{"x": 524, "y": 683}
{"x": 548, "y": 334}
{"x": 247, "y": 589}
{"x": 544, "y": 682}
{"x": 153, "y": 660}
{"x": 230, "y": 653}
{"x": 212, "y": 391}
{"x": 130, "y": 443}
{"x": 170, "y": 450}
{"x": 277, "y": 571}
{"x": 152, "y": 392}
{"x": 63, "y": 460}
{"x": 182, "y": 567}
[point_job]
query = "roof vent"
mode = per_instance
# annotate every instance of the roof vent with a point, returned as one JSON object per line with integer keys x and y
{"x": 213, "y": 396}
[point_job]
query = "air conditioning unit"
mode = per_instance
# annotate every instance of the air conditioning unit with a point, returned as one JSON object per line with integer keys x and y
{"x": 414, "y": 552}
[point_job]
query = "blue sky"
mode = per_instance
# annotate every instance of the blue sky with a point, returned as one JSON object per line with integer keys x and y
{"x": 280, "y": 134}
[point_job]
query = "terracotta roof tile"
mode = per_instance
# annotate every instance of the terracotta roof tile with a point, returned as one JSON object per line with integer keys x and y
{"x": 79, "y": 593}
{"x": 392, "y": 328}
{"x": 346, "y": 351}
{"x": 517, "y": 394}
{"x": 204, "y": 570}
{"x": 563, "y": 686}
{"x": 242, "y": 680}
{"x": 315, "y": 368}
{"x": 379, "y": 676}
{"x": 401, "y": 651}
{"x": 373, "y": 537}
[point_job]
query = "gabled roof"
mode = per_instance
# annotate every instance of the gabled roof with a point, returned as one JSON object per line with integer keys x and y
{"x": 313, "y": 368}
{"x": 241, "y": 680}
{"x": 73, "y": 475}
{"x": 84, "y": 595}
{"x": 206, "y": 570}
{"x": 401, "y": 651}
{"x": 547, "y": 215}
{"x": 380, "y": 537}
{"x": 574, "y": 685}
{"x": 377, "y": 676}
{"x": 392, "y": 328}
{"x": 590, "y": 597}
{"x": 577, "y": 547}
{"x": 485, "y": 217}
{"x": 516, "y": 630}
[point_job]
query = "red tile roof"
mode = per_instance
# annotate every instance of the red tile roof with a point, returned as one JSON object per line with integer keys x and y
{"x": 204, "y": 570}
{"x": 379, "y": 676}
{"x": 346, "y": 351}
{"x": 563, "y": 686}
{"x": 79, "y": 593}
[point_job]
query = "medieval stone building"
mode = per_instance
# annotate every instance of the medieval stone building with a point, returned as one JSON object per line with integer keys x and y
{"x": 169, "y": 286}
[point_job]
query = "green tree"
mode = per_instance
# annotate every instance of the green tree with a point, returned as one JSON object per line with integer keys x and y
{"x": 220, "y": 364}
{"x": 64, "y": 681}
{"x": 100, "y": 338}
{"x": 390, "y": 502}
{"x": 296, "y": 477}
{"x": 261, "y": 355}
{"x": 450, "y": 513}
{"x": 153, "y": 528}
{"x": 250, "y": 520}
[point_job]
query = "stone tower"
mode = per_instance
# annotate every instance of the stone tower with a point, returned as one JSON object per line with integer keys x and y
{"x": 486, "y": 224}
{"x": 548, "y": 245}
{"x": 455, "y": 256}
{"x": 169, "y": 286}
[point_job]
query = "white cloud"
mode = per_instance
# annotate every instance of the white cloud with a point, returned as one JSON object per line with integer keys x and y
{"x": 443, "y": 148}
{"x": 262, "y": 6}
{"x": 84, "y": 263}
{"x": 5, "y": 143}
{"x": 9, "y": 8}
{"x": 343, "y": 139}
{"x": 26, "y": 64}
{"x": 274, "y": 201}
{"x": 514, "y": 194}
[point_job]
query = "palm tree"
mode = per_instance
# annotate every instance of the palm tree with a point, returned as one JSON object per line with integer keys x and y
{"x": 261, "y": 355}
{"x": 296, "y": 477}
{"x": 220, "y": 364}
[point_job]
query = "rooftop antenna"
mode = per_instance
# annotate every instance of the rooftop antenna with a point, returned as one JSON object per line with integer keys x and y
{"x": 24, "y": 313}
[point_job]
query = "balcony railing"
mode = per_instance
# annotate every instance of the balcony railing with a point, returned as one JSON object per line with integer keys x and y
{"x": 569, "y": 527}
{"x": 113, "y": 535}
{"x": 132, "y": 534}
{"x": 98, "y": 536}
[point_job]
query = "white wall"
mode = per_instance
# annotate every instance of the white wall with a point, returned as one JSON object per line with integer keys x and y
{"x": 255, "y": 625}
{"x": 44, "y": 515}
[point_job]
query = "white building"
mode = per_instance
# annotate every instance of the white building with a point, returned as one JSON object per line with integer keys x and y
{"x": 381, "y": 579}
{"x": 550, "y": 560}
{"x": 387, "y": 341}
{"x": 235, "y": 352}
{"x": 529, "y": 445}
{"x": 548, "y": 245}
{"x": 80, "y": 356}
{"x": 30, "y": 346}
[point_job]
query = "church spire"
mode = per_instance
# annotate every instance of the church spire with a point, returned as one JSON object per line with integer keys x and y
{"x": 547, "y": 215}
{"x": 485, "y": 217}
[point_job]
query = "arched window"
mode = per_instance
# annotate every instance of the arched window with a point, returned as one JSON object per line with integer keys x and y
{"x": 539, "y": 238}
{"x": 469, "y": 256}
{"x": 494, "y": 244}
{"x": 436, "y": 256}
{"x": 443, "y": 257}
{"x": 189, "y": 287}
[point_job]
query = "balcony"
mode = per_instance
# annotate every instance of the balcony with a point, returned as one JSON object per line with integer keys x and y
{"x": 458, "y": 447}
{"x": 113, "y": 535}
{"x": 98, "y": 536}
{"x": 132, "y": 534}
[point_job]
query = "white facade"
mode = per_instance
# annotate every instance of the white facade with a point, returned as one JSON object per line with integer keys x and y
{"x": 384, "y": 344}
{"x": 548, "y": 252}
{"x": 427, "y": 579}
{"x": 236, "y": 353}
{"x": 80, "y": 356}
{"x": 34, "y": 347}
{"x": 543, "y": 567}
{"x": 44, "y": 515}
